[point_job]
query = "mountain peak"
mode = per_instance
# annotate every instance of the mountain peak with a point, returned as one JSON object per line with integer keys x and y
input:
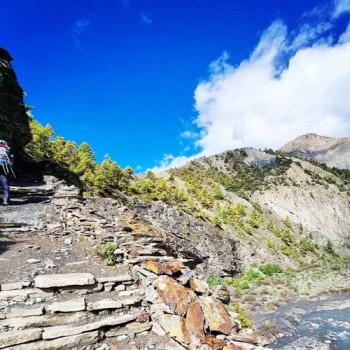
{"x": 333, "y": 151}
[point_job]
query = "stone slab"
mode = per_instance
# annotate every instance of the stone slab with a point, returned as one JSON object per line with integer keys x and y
{"x": 11, "y": 286}
{"x": 24, "y": 293}
{"x": 16, "y": 312}
{"x": 75, "y": 341}
{"x": 104, "y": 305}
{"x": 64, "y": 331}
{"x": 132, "y": 300}
{"x": 134, "y": 329}
{"x": 64, "y": 280}
{"x": 128, "y": 293}
{"x": 82, "y": 290}
{"x": 19, "y": 337}
{"x": 115, "y": 279}
{"x": 44, "y": 321}
{"x": 73, "y": 305}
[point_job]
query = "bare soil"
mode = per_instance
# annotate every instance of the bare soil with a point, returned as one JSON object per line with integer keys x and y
{"x": 54, "y": 256}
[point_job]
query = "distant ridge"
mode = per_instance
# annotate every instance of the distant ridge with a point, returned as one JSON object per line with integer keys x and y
{"x": 335, "y": 152}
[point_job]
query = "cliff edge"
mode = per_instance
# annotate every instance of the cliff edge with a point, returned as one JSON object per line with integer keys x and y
{"x": 14, "y": 124}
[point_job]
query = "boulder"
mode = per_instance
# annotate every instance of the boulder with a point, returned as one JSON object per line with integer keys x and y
{"x": 195, "y": 320}
{"x": 163, "y": 268}
{"x": 176, "y": 327}
{"x": 198, "y": 285}
{"x": 173, "y": 294}
{"x": 216, "y": 315}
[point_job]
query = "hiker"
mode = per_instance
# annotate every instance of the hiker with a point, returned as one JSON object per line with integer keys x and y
{"x": 5, "y": 170}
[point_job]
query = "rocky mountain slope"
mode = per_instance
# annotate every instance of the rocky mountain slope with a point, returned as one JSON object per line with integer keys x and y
{"x": 57, "y": 293}
{"x": 167, "y": 260}
{"x": 335, "y": 152}
{"x": 272, "y": 207}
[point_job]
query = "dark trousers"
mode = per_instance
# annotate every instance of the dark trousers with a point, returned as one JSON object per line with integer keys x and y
{"x": 5, "y": 187}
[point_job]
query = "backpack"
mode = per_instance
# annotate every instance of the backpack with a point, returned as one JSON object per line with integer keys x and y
{"x": 5, "y": 157}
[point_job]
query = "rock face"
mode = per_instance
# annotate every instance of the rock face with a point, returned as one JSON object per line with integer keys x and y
{"x": 14, "y": 125}
{"x": 324, "y": 212}
{"x": 335, "y": 152}
{"x": 202, "y": 242}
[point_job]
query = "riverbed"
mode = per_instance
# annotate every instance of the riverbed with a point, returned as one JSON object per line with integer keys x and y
{"x": 321, "y": 323}
{"x": 321, "y": 330}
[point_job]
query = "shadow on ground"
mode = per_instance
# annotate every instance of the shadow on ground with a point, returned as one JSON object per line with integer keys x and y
{"x": 5, "y": 243}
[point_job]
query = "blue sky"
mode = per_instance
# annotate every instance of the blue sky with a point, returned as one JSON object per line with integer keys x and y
{"x": 154, "y": 82}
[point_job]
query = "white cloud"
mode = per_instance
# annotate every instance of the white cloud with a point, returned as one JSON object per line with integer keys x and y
{"x": 251, "y": 106}
{"x": 341, "y": 6}
{"x": 169, "y": 161}
{"x": 345, "y": 37}
{"x": 79, "y": 28}
{"x": 146, "y": 19}
{"x": 292, "y": 84}
{"x": 310, "y": 34}
{"x": 188, "y": 134}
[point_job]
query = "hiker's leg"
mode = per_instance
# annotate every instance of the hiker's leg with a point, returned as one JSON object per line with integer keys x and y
{"x": 5, "y": 187}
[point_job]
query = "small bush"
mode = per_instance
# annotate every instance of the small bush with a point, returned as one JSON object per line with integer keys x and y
{"x": 271, "y": 245}
{"x": 106, "y": 252}
{"x": 271, "y": 307}
{"x": 214, "y": 281}
{"x": 253, "y": 275}
{"x": 240, "y": 284}
{"x": 270, "y": 269}
{"x": 288, "y": 222}
{"x": 329, "y": 249}
{"x": 243, "y": 318}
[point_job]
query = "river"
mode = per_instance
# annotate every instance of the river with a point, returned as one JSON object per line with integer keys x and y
{"x": 320, "y": 330}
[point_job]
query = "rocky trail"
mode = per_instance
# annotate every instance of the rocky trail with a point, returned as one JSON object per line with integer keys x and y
{"x": 57, "y": 293}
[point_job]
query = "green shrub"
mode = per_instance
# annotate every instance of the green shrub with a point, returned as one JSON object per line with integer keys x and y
{"x": 253, "y": 275}
{"x": 239, "y": 284}
{"x": 242, "y": 317}
{"x": 289, "y": 251}
{"x": 307, "y": 245}
{"x": 216, "y": 221}
{"x": 270, "y": 269}
{"x": 214, "y": 281}
{"x": 107, "y": 253}
{"x": 287, "y": 221}
{"x": 271, "y": 245}
{"x": 329, "y": 249}
{"x": 256, "y": 219}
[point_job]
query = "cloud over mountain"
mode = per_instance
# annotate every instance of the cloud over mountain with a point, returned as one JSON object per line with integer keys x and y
{"x": 293, "y": 83}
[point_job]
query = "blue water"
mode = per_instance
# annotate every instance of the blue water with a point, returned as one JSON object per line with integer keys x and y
{"x": 331, "y": 328}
